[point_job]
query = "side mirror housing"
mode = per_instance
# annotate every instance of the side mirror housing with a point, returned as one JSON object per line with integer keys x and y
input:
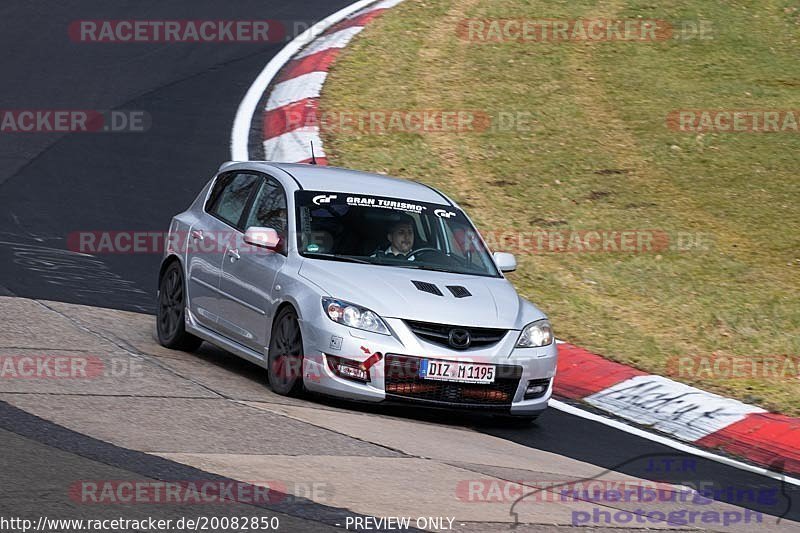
{"x": 263, "y": 238}
{"x": 505, "y": 261}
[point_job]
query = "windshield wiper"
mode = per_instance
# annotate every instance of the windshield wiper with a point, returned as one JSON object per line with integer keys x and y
{"x": 335, "y": 257}
{"x": 425, "y": 267}
{"x": 438, "y": 269}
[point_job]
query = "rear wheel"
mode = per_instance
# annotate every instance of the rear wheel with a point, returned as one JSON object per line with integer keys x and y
{"x": 285, "y": 357}
{"x": 170, "y": 323}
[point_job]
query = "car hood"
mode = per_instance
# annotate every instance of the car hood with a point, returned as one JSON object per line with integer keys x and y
{"x": 389, "y": 291}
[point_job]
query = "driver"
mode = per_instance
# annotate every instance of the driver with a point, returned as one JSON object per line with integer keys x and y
{"x": 401, "y": 238}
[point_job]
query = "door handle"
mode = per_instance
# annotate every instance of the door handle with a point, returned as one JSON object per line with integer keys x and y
{"x": 234, "y": 255}
{"x": 197, "y": 235}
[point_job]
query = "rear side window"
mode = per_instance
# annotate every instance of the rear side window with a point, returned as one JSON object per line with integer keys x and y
{"x": 230, "y": 196}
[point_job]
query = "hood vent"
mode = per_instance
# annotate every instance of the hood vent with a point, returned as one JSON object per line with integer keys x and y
{"x": 427, "y": 287}
{"x": 459, "y": 291}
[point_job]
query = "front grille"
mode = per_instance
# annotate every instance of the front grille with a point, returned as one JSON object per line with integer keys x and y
{"x": 402, "y": 382}
{"x": 440, "y": 334}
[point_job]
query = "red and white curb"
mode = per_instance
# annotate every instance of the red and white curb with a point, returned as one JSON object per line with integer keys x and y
{"x": 290, "y": 86}
{"x": 692, "y": 415}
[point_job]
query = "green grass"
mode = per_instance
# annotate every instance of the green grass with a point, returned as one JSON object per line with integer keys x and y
{"x": 599, "y": 156}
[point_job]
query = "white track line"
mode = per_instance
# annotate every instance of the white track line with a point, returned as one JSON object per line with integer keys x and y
{"x": 240, "y": 132}
{"x": 666, "y": 441}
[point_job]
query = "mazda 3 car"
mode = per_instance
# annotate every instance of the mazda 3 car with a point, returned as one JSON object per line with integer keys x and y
{"x": 353, "y": 285}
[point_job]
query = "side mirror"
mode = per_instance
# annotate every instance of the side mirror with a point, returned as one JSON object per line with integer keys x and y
{"x": 505, "y": 261}
{"x": 263, "y": 238}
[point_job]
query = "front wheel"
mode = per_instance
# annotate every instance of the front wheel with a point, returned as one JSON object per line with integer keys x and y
{"x": 171, "y": 321}
{"x": 285, "y": 357}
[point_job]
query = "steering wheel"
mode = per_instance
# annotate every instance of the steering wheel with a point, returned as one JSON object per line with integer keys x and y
{"x": 413, "y": 253}
{"x": 426, "y": 249}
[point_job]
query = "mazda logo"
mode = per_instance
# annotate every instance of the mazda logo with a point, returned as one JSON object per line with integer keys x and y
{"x": 459, "y": 338}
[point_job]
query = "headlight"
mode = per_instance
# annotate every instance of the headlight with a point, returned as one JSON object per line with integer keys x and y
{"x": 536, "y": 334}
{"x": 353, "y": 316}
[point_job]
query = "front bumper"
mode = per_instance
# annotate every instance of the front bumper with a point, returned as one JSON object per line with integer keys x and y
{"x": 395, "y": 377}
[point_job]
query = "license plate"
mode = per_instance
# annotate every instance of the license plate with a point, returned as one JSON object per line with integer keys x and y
{"x": 455, "y": 371}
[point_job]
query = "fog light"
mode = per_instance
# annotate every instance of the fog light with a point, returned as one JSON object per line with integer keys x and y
{"x": 351, "y": 369}
{"x": 536, "y": 388}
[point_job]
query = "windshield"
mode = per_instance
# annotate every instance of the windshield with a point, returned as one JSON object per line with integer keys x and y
{"x": 389, "y": 231}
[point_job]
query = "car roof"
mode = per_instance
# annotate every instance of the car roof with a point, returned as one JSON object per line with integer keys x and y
{"x": 325, "y": 178}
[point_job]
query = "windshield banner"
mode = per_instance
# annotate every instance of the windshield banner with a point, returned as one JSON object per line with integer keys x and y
{"x": 322, "y": 199}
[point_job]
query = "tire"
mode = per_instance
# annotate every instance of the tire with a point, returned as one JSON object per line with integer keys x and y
{"x": 170, "y": 322}
{"x": 285, "y": 356}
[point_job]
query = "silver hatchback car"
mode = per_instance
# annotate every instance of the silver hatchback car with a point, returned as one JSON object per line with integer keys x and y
{"x": 353, "y": 285}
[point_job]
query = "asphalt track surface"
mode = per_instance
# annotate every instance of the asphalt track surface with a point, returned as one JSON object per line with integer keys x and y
{"x": 47, "y": 456}
{"x": 54, "y": 184}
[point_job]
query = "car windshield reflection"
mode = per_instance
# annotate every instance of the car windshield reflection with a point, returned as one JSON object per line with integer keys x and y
{"x": 389, "y": 232}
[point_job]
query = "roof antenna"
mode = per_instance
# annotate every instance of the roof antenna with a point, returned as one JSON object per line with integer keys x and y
{"x": 313, "y": 158}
